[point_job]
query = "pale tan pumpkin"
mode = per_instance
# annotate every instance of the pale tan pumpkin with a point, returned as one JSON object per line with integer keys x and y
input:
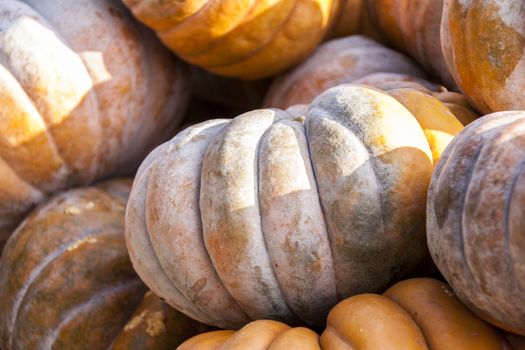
{"x": 413, "y": 26}
{"x": 475, "y": 218}
{"x": 85, "y": 91}
{"x": 484, "y": 47}
{"x": 337, "y": 62}
{"x": 266, "y": 217}
{"x": 246, "y": 38}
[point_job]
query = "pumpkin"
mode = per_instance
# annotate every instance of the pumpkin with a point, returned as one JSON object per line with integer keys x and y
{"x": 475, "y": 218}
{"x": 66, "y": 280}
{"x": 337, "y": 62}
{"x": 484, "y": 47}
{"x": 271, "y": 215}
{"x": 245, "y": 39}
{"x": 90, "y": 97}
{"x": 413, "y": 26}
{"x": 418, "y": 314}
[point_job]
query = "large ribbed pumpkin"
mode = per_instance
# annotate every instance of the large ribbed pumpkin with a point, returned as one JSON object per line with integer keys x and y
{"x": 337, "y": 62}
{"x": 271, "y": 215}
{"x": 66, "y": 281}
{"x": 247, "y": 39}
{"x": 413, "y": 26}
{"x": 476, "y": 226}
{"x": 416, "y": 314}
{"x": 85, "y": 92}
{"x": 484, "y": 46}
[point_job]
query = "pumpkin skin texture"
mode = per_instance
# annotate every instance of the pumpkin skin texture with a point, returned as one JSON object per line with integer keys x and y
{"x": 66, "y": 280}
{"x": 475, "y": 223}
{"x": 91, "y": 97}
{"x": 484, "y": 47}
{"x": 336, "y": 62}
{"x": 420, "y": 313}
{"x": 243, "y": 39}
{"x": 413, "y": 26}
{"x": 246, "y": 199}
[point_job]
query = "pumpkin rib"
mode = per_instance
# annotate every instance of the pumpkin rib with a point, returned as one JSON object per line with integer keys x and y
{"x": 265, "y": 243}
{"x": 472, "y": 166}
{"x": 51, "y": 143}
{"x": 184, "y": 139}
{"x": 289, "y": 278}
{"x": 234, "y": 28}
{"x": 485, "y": 147}
{"x": 277, "y": 31}
{"x": 490, "y": 145}
{"x": 91, "y": 92}
{"x": 92, "y": 303}
{"x": 174, "y": 28}
{"x": 49, "y": 136}
{"x": 506, "y": 235}
{"x": 356, "y": 133}
{"x": 357, "y": 142}
{"x": 174, "y": 25}
{"x": 318, "y": 192}
{"x": 220, "y": 239}
{"x": 155, "y": 267}
{"x": 19, "y": 299}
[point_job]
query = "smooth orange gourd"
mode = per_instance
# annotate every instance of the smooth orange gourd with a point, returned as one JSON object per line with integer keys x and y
{"x": 415, "y": 314}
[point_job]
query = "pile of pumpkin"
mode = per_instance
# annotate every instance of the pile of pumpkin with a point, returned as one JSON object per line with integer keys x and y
{"x": 346, "y": 191}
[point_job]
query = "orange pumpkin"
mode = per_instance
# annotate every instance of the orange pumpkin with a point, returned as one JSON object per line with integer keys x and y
{"x": 456, "y": 103}
{"x": 475, "y": 218}
{"x": 82, "y": 98}
{"x": 66, "y": 280}
{"x": 245, "y": 39}
{"x": 484, "y": 47}
{"x": 417, "y": 314}
{"x": 269, "y": 215}
{"x": 413, "y": 26}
